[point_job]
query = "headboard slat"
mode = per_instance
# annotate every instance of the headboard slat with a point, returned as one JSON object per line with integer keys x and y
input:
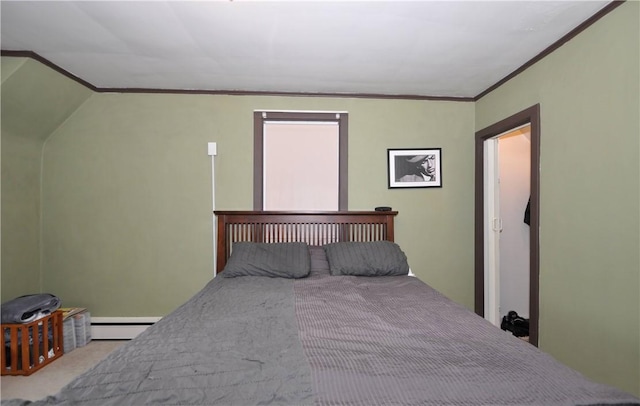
{"x": 314, "y": 228}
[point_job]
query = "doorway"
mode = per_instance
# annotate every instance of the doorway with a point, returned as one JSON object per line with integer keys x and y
{"x": 486, "y": 231}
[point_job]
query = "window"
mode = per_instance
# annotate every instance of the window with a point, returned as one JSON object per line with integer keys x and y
{"x": 300, "y": 161}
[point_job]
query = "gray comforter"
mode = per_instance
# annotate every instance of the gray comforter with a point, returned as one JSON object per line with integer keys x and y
{"x": 328, "y": 340}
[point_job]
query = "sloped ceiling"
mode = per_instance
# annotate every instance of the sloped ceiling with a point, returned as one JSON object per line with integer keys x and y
{"x": 35, "y": 99}
{"x": 424, "y": 48}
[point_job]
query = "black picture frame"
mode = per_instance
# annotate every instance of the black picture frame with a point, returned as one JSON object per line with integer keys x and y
{"x": 414, "y": 168}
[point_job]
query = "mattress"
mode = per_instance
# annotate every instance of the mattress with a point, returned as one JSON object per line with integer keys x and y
{"x": 328, "y": 340}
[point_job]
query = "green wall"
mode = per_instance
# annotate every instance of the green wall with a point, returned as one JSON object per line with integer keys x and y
{"x": 35, "y": 101}
{"x": 127, "y": 224}
{"x": 20, "y": 215}
{"x": 589, "y": 93}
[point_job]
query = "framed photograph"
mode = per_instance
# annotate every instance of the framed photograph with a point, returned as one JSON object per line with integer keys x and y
{"x": 414, "y": 167}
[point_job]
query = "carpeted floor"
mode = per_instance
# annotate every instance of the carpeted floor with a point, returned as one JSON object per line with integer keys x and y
{"x": 50, "y": 379}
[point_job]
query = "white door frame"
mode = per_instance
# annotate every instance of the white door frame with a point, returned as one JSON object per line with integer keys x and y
{"x": 492, "y": 228}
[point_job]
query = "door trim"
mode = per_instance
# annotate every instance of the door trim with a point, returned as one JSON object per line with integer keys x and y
{"x": 530, "y": 115}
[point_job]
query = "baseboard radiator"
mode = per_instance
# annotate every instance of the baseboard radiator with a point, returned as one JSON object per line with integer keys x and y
{"x": 119, "y": 328}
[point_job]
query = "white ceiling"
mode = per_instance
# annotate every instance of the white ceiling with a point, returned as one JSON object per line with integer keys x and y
{"x": 421, "y": 48}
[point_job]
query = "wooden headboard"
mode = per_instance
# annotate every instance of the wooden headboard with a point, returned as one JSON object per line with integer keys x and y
{"x": 314, "y": 228}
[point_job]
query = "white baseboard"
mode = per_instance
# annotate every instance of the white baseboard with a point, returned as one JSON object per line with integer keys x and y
{"x": 119, "y": 328}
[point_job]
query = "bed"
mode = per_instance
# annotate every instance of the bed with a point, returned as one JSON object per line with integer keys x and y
{"x": 318, "y": 309}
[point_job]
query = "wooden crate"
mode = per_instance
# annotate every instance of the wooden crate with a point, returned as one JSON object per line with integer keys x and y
{"x": 28, "y": 347}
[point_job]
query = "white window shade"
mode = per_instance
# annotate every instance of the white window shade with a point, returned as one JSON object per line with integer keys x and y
{"x": 301, "y": 161}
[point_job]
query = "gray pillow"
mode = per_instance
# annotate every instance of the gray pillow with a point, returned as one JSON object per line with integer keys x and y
{"x": 319, "y": 263}
{"x": 375, "y": 258}
{"x": 276, "y": 260}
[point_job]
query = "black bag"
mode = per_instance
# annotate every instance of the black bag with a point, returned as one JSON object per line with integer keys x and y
{"x": 517, "y": 325}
